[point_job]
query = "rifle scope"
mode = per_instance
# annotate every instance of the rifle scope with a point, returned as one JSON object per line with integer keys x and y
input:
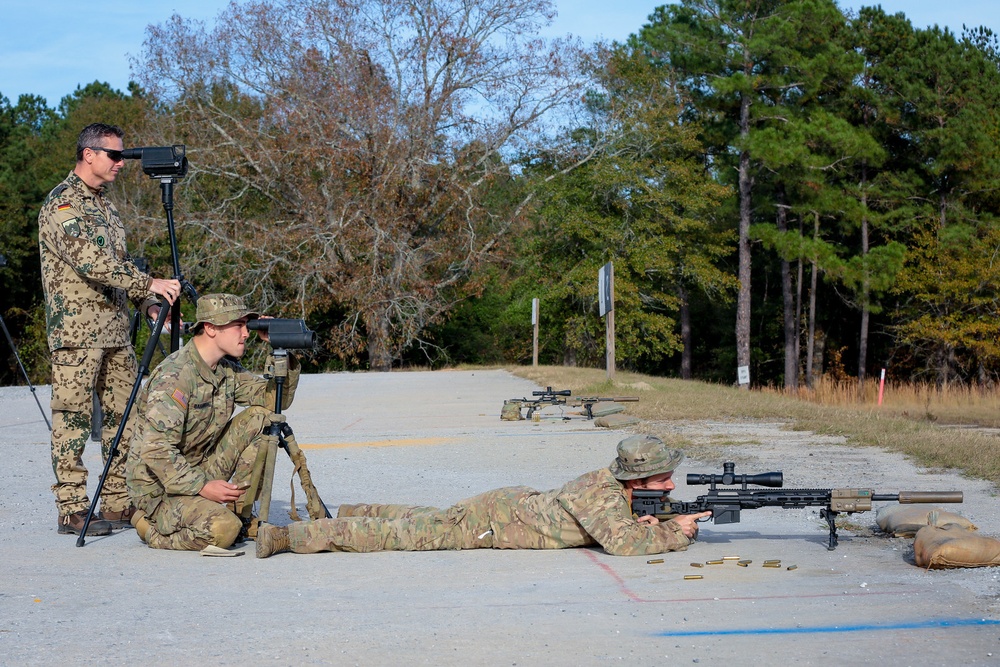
{"x": 284, "y": 333}
{"x": 548, "y": 392}
{"x": 729, "y": 478}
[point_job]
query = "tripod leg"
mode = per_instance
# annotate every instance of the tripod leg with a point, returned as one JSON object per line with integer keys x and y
{"x": 267, "y": 480}
{"x": 314, "y": 504}
{"x": 113, "y": 451}
{"x": 13, "y": 348}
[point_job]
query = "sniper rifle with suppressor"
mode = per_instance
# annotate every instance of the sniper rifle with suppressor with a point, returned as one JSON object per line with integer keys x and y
{"x": 726, "y": 504}
{"x": 561, "y": 397}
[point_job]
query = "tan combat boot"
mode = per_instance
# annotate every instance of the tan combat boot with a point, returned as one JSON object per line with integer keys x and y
{"x": 271, "y": 540}
{"x": 120, "y": 520}
{"x": 72, "y": 524}
{"x": 141, "y": 524}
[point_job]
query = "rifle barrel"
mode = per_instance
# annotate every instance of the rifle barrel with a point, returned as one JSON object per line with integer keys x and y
{"x": 908, "y": 497}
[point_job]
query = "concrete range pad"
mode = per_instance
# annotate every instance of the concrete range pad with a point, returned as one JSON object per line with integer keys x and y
{"x": 432, "y": 438}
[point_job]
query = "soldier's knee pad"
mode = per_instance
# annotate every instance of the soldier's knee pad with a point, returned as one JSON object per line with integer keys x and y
{"x": 225, "y": 528}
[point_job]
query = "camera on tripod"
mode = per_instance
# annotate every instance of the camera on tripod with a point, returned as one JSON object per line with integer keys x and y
{"x": 284, "y": 333}
{"x": 160, "y": 161}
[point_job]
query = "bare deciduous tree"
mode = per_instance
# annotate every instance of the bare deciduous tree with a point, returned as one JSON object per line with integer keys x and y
{"x": 351, "y": 156}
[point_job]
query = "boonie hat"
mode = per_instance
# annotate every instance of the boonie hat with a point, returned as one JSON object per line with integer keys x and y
{"x": 644, "y": 456}
{"x": 221, "y": 309}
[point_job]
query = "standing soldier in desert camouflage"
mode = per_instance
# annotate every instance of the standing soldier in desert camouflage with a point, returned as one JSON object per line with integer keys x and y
{"x": 186, "y": 449}
{"x": 88, "y": 276}
{"x": 594, "y": 509}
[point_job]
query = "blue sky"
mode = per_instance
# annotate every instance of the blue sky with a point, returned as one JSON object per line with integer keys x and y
{"x": 48, "y": 47}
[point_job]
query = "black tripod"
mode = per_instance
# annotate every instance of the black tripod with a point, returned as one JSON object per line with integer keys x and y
{"x": 263, "y": 473}
{"x": 167, "y": 188}
{"x": 13, "y": 348}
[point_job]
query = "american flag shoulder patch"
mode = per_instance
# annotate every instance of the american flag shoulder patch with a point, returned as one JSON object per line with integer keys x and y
{"x": 180, "y": 398}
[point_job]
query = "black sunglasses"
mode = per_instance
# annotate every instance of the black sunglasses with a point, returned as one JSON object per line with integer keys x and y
{"x": 113, "y": 155}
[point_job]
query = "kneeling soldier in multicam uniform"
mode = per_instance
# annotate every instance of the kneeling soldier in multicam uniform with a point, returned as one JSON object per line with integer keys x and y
{"x": 592, "y": 509}
{"x": 186, "y": 449}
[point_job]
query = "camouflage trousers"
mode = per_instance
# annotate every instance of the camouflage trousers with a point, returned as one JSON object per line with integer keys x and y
{"x": 78, "y": 374}
{"x": 190, "y": 523}
{"x": 395, "y": 528}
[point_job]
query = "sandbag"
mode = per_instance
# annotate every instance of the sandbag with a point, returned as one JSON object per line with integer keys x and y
{"x": 953, "y": 546}
{"x": 906, "y": 520}
{"x": 615, "y": 421}
{"x": 511, "y": 411}
{"x": 604, "y": 408}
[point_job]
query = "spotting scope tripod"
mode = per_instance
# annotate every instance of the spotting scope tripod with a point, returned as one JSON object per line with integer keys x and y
{"x": 262, "y": 478}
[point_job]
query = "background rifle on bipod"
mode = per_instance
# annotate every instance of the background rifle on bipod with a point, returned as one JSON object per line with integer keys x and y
{"x": 726, "y": 504}
{"x": 511, "y": 410}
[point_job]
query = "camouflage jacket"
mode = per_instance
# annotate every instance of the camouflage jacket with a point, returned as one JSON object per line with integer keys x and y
{"x": 182, "y": 413}
{"x": 594, "y": 508}
{"x": 87, "y": 273}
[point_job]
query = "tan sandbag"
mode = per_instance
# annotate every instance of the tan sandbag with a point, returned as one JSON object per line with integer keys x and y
{"x": 954, "y": 546}
{"x": 616, "y": 421}
{"x": 605, "y": 408}
{"x": 511, "y": 411}
{"x": 906, "y": 520}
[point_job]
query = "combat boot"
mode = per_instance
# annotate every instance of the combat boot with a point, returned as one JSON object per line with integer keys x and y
{"x": 350, "y": 510}
{"x": 119, "y": 520}
{"x": 72, "y": 524}
{"x": 271, "y": 540}
{"x": 141, "y": 524}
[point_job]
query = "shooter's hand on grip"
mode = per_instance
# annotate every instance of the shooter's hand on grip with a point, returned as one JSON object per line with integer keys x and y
{"x": 687, "y": 522}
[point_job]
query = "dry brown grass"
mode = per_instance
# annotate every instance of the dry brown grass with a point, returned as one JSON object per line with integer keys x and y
{"x": 916, "y": 421}
{"x": 950, "y": 404}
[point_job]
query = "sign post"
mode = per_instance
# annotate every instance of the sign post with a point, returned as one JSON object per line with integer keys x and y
{"x": 606, "y": 297}
{"x": 534, "y": 335}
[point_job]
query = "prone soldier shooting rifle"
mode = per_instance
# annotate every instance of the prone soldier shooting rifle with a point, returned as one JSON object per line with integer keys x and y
{"x": 511, "y": 410}
{"x": 726, "y": 504}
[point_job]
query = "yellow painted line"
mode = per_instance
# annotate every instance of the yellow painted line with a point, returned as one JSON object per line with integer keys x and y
{"x": 403, "y": 442}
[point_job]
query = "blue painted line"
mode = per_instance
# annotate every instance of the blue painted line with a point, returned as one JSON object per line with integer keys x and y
{"x": 918, "y": 625}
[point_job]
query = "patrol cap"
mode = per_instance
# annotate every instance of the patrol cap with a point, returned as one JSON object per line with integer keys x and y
{"x": 220, "y": 309}
{"x": 644, "y": 456}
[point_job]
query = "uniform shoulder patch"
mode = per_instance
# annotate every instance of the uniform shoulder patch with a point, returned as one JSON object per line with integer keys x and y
{"x": 72, "y": 226}
{"x": 180, "y": 398}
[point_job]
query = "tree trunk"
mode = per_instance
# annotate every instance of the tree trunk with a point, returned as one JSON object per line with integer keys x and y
{"x": 788, "y": 304}
{"x": 379, "y": 357}
{"x": 799, "y": 279}
{"x": 811, "y": 342}
{"x": 743, "y": 300}
{"x": 685, "y": 316}
{"x": 865, "y": 281}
